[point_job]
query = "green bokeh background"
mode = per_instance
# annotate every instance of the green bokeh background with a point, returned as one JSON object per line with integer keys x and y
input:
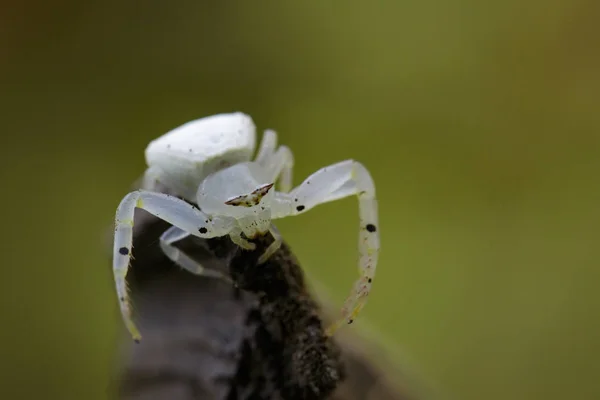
{"x": 479, "y": 122}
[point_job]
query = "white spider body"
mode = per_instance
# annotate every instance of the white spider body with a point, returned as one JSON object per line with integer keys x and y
{"x": 227, "y": 184}
{"x": 184, "y": 156}
{"x": 208, "y": 162}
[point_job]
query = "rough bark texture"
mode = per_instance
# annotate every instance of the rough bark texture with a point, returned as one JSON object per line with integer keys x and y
{"x": 205, "y": 339}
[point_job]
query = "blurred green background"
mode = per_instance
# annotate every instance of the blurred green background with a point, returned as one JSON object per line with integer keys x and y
{"x": 479, "y": 122}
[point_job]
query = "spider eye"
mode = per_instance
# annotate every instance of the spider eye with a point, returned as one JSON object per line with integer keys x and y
{"x": 252, "y": 199}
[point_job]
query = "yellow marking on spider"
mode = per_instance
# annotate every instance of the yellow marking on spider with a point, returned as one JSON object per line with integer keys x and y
{"x": 133, "y": 330}
{"x": 332, "y": 328}
{"x": 356, "y": 310}
{"x": 121, "y": 273}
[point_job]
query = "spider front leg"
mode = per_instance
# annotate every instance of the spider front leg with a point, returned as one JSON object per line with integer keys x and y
{"x": 332, "y": 183}
{"x": 175, "y": 211}
{"x": 174, "y": 235}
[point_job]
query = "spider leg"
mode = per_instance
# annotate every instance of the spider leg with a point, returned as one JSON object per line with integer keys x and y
{"x": 168, "y": 208}
{"x": 278, "y": 161}
{"x": 267, "y": 147}
{"x": 236, "y": 236}
{"x": 280, "y": 166}
{"x": 175, "y": 234}
{"x": 331, "y": 183}
{"x": 273, "y": 247}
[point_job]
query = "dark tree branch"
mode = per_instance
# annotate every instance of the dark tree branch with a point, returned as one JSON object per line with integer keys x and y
{"x": 204, "y": 339}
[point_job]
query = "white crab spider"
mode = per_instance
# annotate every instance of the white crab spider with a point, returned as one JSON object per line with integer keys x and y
{"x": 208, "y": 162}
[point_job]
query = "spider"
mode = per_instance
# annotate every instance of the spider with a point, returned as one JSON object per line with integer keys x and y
{"x": 208, "y": 162}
